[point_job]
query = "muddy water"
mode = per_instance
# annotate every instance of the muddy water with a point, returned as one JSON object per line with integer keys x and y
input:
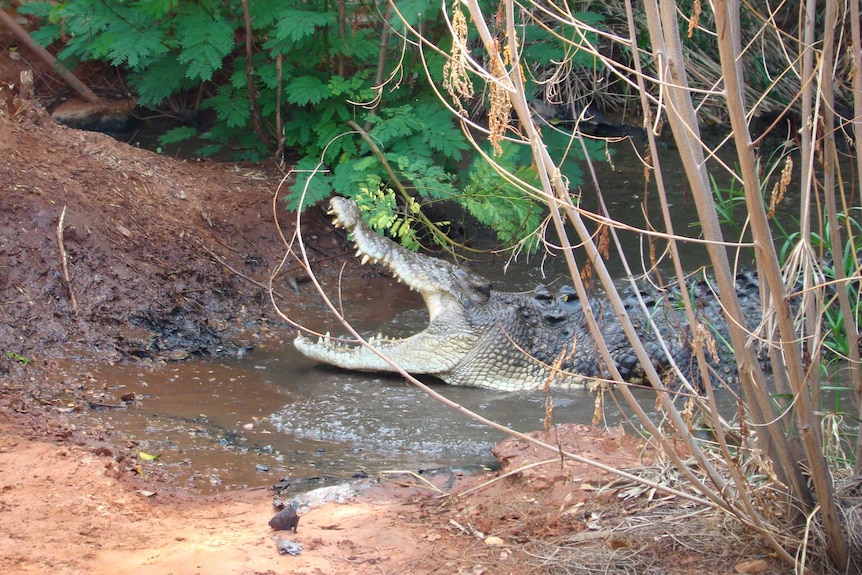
{"x": 275, "y": 414}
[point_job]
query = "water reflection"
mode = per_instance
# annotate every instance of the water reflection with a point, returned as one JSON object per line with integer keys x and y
{"x": 250, "y": 422}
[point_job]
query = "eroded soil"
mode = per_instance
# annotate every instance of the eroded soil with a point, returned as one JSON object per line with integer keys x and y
{"x": 165, "y": 260}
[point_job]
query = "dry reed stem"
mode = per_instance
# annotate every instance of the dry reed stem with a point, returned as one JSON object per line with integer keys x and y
{"x": 64, "y": 261}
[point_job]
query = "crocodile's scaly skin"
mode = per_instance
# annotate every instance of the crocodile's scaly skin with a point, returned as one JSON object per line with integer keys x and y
{"x": 481, "y": 337}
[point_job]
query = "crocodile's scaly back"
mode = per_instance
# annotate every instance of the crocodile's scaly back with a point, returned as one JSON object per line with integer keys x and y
{"x": 481, "y": 337}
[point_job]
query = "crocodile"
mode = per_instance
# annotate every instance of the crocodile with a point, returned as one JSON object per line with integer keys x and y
{"x": 510, "y": 341}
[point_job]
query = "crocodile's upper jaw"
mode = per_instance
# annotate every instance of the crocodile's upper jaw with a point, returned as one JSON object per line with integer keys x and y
{"x": 444, "y": 288}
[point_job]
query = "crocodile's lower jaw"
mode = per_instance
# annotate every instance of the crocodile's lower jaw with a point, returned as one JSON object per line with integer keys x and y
{"x": 421, "y": 353}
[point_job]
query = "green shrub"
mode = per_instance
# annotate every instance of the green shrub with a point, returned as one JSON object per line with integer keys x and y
{"x": 195, "y": 51}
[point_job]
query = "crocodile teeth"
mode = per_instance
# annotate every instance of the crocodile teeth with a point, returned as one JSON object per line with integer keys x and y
{"x": 365, "y": 259}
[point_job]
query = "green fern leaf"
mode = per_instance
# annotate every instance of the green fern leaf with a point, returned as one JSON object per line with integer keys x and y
{"x": 298, "y": 130}
{"x": 156, "y": 9}
{"x": 363, "y": 45}
{"x": 350, "y": 175}
{"x": 231, "y": 107}
{"x": 47, "y": 34}
{"x": 264, "y": 13}
{"x": 129, "y": 40}
{"x": 512, "y": 217}
{"x": 428, "y": 179}
{"x": 413, "y": 10}
{"x": 504, "y": 208}
{"x": 365, "y": 164}
{"x": 397, "y": 123}
{"x": 440, "y": 132}
{"x": 162, "y": 78}
{"x": 331, "y": 135}
{"x": 206, "y": 40}
{"x": 352, "y": 86}
{"x": 379, "y": 207}
{"x": 307, "y": 90}
{"x": 209, "y": 150}
{"x": 313, "y": 184}
{"x": 265, "y": 71}
{"x": 294, "y": 25}
{"x": 88, "y": 33}
{"x": 175, "y": 135}
{"x": 135, "y": 43}
{"x": 377, "y": 203}
{"x": 37, "y": 9}
{"x": 51, "y": 30}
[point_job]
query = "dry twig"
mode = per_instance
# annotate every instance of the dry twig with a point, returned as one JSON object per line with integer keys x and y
{"x": 64, "y": 261}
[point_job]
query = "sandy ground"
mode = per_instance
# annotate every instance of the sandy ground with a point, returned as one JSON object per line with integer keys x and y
{"x": 63, "y": 510}
{"x": 66, "y": 508}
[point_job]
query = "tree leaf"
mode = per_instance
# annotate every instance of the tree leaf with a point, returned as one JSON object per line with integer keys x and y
{"x": 307, "y": 90}
{"x": 294, "y": 25}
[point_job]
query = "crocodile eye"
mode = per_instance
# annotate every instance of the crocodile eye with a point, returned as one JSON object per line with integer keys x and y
{"x": 568, "y": 294}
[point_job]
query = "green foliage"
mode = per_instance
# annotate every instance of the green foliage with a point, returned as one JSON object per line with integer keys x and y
{"x": 414, "y": 11}
{"x": 501, "y": 205}
{"x": 307, "y": 90}
{"x": 18, "y": 357}
{"x": 195, "y": 51}
{"x": 294, "y": 25}
{"x": 837, "y": 340}
{"x": 163, "y": 45}
{"x": 418, "y": 141}
{"x": 543, "y": 47}
{"x": 205, "y": 40}
{"x": 164, "y": 77}
{"x": 176, "y": 135}
{"x": 230, "y": 106}
{"x": 382, "y": 213}
{"x": 730, "y": 204}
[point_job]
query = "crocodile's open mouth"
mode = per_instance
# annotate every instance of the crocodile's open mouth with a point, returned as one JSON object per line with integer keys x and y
{"x": 445, "y": 288}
